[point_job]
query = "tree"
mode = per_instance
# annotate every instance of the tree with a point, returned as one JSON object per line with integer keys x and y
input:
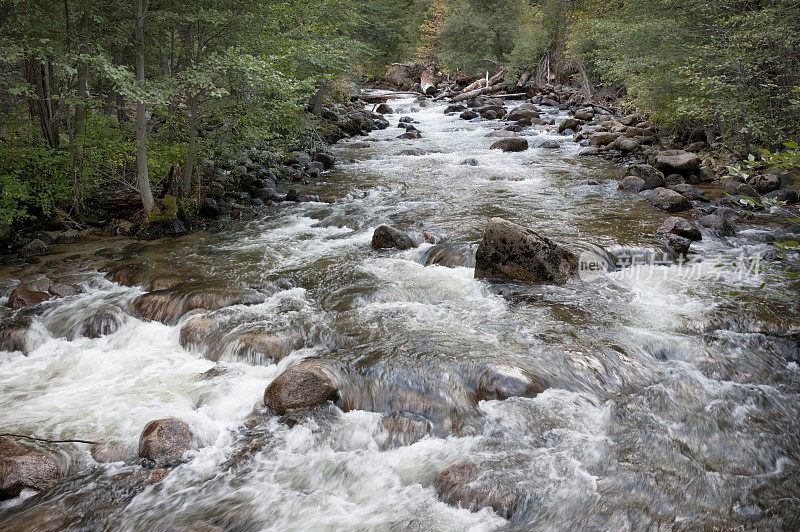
{"x": 143, "y": 177}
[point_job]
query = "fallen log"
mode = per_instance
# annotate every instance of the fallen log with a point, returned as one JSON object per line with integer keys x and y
{"x": 523, "y": 79}
{"x": 477, "y": 92}
{"x": 475, "y": 85}
{"x": 497, "y": 78}
{"x": 381, "y": 98}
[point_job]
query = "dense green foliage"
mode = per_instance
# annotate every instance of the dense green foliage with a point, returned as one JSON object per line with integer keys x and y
{"x": 226, "y": 74}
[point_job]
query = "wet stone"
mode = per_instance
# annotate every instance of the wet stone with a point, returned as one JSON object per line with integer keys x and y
{"x": 501, "y": 381}
{"x": 23, "y": 297}
{"x": 387, "y": 236}
{"x": 309, "y": 383}
{"x": 164, "y": 441}
{"x": 459, "y": 485}
{"x": 23, "y": 467}
{"x": 105, "y": 320}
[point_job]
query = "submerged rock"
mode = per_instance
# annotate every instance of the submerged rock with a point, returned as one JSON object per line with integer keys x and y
{"x": 23, "y": 467}
{"x": 500, "y": 381}
{"x": 510, "y": 251}
{"x": 19, "y": 335}
{"x": 403, "y": 428}
{"x": 108, "y": 452}
{"x": 311, "y": 382}
{"x": 164, "y": 441}
{"x": 265, "y": 348}
{"x": 105, "y": 320}
{"x": 459, "y": 485}
{"x": 387, "y": 236}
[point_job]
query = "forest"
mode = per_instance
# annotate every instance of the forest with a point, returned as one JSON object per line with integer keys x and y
{"x": 399, "y": 265}
{"x": 105, "y": 86}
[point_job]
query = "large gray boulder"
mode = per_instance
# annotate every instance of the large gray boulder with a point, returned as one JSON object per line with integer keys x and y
{"x": 668, "y": 200}
{"x": 509, "y": 251}
{"x": 677, "y": 161}
{"x": 23, "y": 467}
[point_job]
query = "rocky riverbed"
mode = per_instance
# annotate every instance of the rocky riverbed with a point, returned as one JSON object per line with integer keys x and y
{"x": 423, "y": 349}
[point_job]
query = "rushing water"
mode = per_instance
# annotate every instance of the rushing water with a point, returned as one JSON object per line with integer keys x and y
{"x": 672, "y": 400}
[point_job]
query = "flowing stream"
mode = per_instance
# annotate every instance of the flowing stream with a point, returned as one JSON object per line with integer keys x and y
{"x": 673, "y": 391}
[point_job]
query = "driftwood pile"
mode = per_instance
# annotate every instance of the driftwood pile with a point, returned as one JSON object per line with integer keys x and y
{"x": 416, "y": 78}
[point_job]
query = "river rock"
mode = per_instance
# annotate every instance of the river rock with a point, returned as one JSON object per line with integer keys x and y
{"x": 403, "y": 428}
{"x": 34, "y": 248}
{"x": 570, "y": 123}
{"x": 502, "y": 134}
{"x": 767, "y": 183}
{"x": 105, "y": 320}
{"x": 603, "y": 138}
{"x": 790, "y": 196}
{"x": 651, "y": 176}
{"x": 408, "y": 135}
{"x": 470, "y": 162}
{"x": 677, "y": 161}
{"x": 626, "y": 145}
{"x": 510, "y": 251}
{"x": 468, "y": 115}
{"x": 67, "y": 237}
{"x": 456, "y": 108}
{"x": 668, "y": 200}
{"x": 164, "y": 441}
{"x": 109, "y": 452}
{"x": 309, "y": 383}
{"x": 510, "y": 145}
{"x": 264, "y": 348}
{"x": 689, "y": 192}
{"x": 587, "y": 113}
{"x": 24, "y": 297}
{"x": 23, "y": 467}
{"x": 678, "y": 243}
{"x": 386, "y": 237}
{"x": 326, "y": 159}
{"x": 718, "y": 224}
{"x": 681, "y": 227}
{"x": 550, "y": 144}
{"x": 524, "y": 111}
{"x": 501, "y": 381}
{"x": 459, "y": 485}
{"x": 384, "y": 109}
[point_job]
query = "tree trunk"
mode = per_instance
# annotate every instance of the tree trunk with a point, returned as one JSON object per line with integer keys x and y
{"x": 40, "y": 75}
{"x": 187, "y": 176}
{"x": 315, "y": 105}
{"x": 83, "y": 78}
{"x": 143, "y": 179}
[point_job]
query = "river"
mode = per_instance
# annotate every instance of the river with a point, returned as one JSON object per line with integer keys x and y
{"x": 673, "y": 391}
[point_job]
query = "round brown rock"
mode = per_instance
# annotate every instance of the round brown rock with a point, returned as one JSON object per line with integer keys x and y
{"x": 164, "y": 441}
{"x": 105, "y": 320}
{"x": 23, "y": 297}
{"x": 387, "y": 236}
{"x": 22, "y": 467}
{"x": 510, "y": 145}
{"x": 309, "y": 383}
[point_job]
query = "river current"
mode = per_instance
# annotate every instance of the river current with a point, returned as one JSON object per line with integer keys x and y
{"x": 673, "y": 391}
